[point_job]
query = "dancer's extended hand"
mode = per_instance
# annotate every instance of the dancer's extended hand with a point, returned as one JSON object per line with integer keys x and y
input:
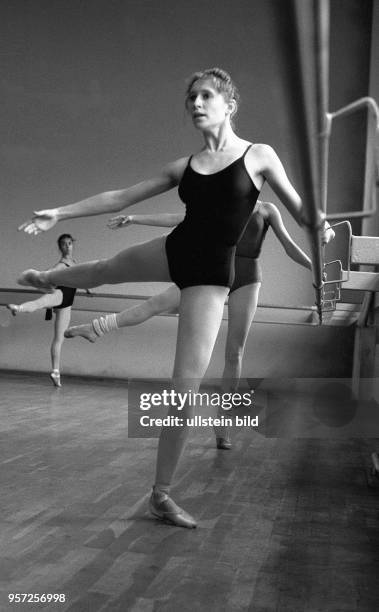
{"x": 328, "y": 233}
{"x": 41, "y": 221}
{"x": 119, "y": 221}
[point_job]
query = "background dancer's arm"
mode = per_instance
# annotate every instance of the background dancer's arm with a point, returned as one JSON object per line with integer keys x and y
{"x": 157, "y": 220}
{"x": 274, "y": 173}
{"x": 291, "y": 248}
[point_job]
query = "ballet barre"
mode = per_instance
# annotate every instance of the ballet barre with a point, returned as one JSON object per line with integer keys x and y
{"x": 344, "y": 314}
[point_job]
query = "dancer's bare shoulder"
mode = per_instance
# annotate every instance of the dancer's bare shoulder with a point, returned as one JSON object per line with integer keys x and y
{"x": 261, "y": 153}
{"x": 258, "y": 159}
{"x": 176, "y": 169}
{"x": 58, "y": 266}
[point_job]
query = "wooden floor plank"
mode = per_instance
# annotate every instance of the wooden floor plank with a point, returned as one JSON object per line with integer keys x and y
{"x": 284, "y": 523}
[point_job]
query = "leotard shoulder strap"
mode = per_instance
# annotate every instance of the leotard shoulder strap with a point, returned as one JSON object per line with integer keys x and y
{"x": 246, "y": 150}
{"x": 65, "y": 263}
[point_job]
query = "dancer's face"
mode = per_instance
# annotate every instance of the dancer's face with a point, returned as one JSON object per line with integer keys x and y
{"x": 66, "y": 246}
{"x": 206, "y": 105}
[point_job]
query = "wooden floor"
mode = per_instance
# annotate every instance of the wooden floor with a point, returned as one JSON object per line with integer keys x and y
{"x": 284, "y": 524}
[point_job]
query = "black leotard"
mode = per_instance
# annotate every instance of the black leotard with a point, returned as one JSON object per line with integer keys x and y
{"x": 246, "y": 266}
{"x": 67, "y": 298}
{"x": 68, "y": 293}
{"x": 201, "y": 249}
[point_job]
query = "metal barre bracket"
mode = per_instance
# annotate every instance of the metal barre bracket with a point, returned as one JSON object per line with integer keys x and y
{"x": 330, "y": 297}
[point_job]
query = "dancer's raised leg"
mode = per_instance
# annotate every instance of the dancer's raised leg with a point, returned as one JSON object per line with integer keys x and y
{"x": 48, "y": 300}
{"x": 140, "y": 263}
{"x": 201, "y": 310}
{"x": 162, "y": 302}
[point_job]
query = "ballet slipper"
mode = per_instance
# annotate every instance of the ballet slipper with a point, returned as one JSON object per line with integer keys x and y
{"x": 223, "y": 443}
{"x": 164, "y": 508}
{"x": 14, "y": 308}
{"x": 33, "y": 278}
{"x": 84, "y": 331}
{"x": 56, "y": 378}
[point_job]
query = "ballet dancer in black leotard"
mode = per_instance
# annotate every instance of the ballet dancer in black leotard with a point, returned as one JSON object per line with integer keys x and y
{"x": 201, "y": 249}
{"x": 242, "y": 299}
{"x": 235, "y": 171}
{"x": 59, "y": 302}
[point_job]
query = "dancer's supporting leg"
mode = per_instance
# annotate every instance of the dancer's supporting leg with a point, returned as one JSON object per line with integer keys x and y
{"x": 201, "y": 310}
{"x": 163, "y": 302}
{"x": 242, "y": 306}
{"x": 62, "y": 321}
{"x": 140, "y": 263}
{"x": 48, "y": 300}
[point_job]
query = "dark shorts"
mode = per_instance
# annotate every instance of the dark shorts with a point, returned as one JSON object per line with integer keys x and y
{"x": 68, "y": 297}
{"x": 247, "y": 271}
{"x": 199, "y": 262}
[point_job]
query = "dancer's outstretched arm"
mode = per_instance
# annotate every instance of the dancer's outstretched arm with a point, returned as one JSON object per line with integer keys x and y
{"x": 272, "y": 170}
{"x": 291, "y": 248}
{"x": 156, "y": 220}
{"x": 107, "y": 201}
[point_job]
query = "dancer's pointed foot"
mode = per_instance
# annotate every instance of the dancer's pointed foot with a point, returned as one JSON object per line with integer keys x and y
{"x": 164, "y": 508}
{"x": 85, "y": 331}
{"x": 56, "y": 378}
{"x": 14, "y": 308}
{"x": 223, "y": 443}
{"x": 33, "y": 278}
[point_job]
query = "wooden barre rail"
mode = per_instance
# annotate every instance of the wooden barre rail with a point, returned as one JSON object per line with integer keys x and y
{"x": 346, "y": 314}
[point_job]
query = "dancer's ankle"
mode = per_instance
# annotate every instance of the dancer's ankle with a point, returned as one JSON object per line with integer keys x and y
{"x": 44, "y": 277}
{"x": 161, "y": 490}
{"x": 103, "y": 325}
{"x": 56, "y": 377}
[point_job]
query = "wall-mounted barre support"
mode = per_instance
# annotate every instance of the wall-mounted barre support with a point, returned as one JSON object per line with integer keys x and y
{"x": 370, "y": 104}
